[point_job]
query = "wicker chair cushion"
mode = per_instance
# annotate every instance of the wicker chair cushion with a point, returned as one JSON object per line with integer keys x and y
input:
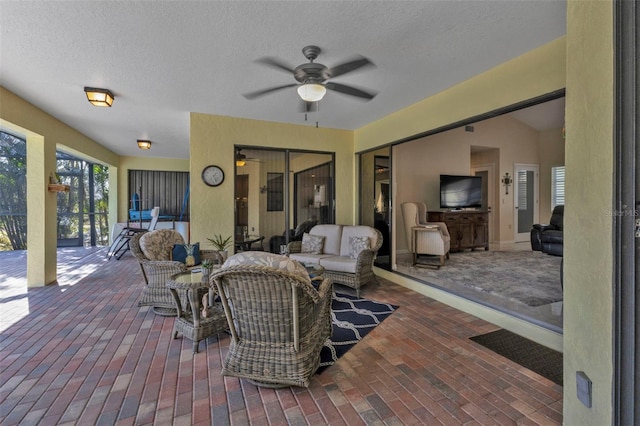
{"x": 357, "y": 244}
{"x": 312, "y": 243}
{"x": 356, "y": 231}
{"x": 157, "y": 245}
{"x": 267, "y": 259}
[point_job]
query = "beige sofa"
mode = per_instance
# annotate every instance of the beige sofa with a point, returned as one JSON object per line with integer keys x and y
{"x": 344, "y": 252}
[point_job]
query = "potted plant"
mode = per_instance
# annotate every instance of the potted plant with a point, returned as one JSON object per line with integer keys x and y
{"x": 221, "y": 244}
{"x": 206, "y": 266}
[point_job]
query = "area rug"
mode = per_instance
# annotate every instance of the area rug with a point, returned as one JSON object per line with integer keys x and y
{"x": 353, "y": 318}
{"x": 544, "y": 361}
{"x": 532, "y": 278}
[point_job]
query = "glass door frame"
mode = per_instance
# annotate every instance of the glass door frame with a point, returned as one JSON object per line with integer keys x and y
{"x": 289, "y": 208}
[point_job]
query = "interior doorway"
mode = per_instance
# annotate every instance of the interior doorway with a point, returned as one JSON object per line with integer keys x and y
{"x": 488, "y": 194}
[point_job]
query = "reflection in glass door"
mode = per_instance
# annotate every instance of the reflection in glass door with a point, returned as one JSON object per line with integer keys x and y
{"x": 280, "y": 194}
{"x": 375, "y": 199}
{"x": 525, "y": 193}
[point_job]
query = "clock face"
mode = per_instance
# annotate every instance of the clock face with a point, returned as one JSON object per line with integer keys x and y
{"x": 212, "y": 175}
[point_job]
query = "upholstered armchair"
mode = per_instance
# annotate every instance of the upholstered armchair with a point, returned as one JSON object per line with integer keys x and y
{"x": 277, "y": 319}
{"x": 549, "y": 238}
{"x": 153, "y": 250}
{"x": 424, "y": 238}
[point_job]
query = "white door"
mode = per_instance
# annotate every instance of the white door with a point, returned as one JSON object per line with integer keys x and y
{"x": 525, "y": 200}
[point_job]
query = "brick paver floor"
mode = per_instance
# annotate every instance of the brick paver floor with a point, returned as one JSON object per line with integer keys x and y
{"x": 82, "y": 352}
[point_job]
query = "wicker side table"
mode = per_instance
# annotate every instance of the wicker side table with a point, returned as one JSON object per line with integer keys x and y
{"x": 190, "y": 322}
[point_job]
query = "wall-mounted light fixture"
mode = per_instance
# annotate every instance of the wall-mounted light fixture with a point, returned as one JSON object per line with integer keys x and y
{"x": 144, "y": 144}
{"x": 99, "y": 97}
{"x": 263, "y": 189}
{"x": 506, "y": 181}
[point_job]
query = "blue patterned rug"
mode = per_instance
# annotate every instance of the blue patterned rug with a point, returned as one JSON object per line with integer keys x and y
{"x": 353, "y": 318}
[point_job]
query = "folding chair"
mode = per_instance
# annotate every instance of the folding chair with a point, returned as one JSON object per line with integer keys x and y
{"x": 120, "y": 244}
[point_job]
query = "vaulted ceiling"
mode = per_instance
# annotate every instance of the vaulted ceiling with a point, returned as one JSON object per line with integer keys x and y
{"x": 165, "y": 59}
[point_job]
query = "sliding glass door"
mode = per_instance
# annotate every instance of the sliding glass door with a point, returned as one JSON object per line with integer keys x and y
{"x": 279, "y": 192}
{"x": 375, "y": 199}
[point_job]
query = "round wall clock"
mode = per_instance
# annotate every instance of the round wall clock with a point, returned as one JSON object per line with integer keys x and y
{"x": 212, "y": 175}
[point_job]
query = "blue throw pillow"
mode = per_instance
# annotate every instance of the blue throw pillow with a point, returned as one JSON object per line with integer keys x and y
{"x": 179, "y": 253}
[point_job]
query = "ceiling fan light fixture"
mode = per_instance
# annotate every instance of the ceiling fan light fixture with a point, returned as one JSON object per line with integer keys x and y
{"x": 311, "y": 92}
{"x": 99, "y": 97}
{"x": 240, "y": 159}
{"x": 144, "y": 144}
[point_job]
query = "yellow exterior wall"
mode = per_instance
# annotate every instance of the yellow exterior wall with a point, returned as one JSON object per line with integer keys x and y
{"x": 588, "y": 251}
{"x": 20, "y": 112}
{"x": 535, "y": 73}
{"x": 45, "y": 134}
{"x": 142, "y": 163}
{"x": 212, "y": 140}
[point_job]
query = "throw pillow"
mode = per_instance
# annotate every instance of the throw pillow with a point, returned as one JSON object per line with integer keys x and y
{"x": 189, "y": 254}
{"x": 357, "y": 244}
{"x": 267, "y": 259}
{"x": 312, "y": 244}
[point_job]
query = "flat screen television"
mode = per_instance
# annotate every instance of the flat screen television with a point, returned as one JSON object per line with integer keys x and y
{"x": 458, "y": 192}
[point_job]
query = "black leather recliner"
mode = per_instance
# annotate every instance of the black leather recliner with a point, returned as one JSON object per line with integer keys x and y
{"x": 294, "y": 235}
{"x": 548, "y": 238}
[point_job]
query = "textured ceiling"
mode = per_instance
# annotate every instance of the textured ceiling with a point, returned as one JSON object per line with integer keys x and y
{"x": 165, "y": 59}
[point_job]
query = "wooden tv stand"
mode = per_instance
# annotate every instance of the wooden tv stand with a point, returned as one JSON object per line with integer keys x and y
{"x": 468, "y": 229}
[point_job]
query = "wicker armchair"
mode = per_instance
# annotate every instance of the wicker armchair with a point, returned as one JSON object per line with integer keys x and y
{"x": 278, "y": 320}
{"x": 158, "y": 269}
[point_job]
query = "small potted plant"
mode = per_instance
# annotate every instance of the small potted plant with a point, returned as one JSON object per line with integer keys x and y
{"x": 221, "y": 244}
{"x": 206, "y": 266}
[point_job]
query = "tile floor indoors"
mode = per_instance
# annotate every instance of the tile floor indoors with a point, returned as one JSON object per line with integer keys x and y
{"x": 82, "y": 352}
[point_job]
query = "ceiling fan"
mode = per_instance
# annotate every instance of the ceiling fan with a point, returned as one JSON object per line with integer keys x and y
{"x": 312, "y": 77}
{"x": 242, "y": 159}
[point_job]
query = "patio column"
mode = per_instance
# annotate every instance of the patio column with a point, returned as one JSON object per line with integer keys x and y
{"x": 41, "y": 212}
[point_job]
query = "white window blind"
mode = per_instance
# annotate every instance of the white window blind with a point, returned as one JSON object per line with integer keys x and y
{"x": 557, "y": 186}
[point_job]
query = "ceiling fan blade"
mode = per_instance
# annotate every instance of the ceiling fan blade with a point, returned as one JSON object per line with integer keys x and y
{"x": 349, "y": 66}
{"x": 275, "y": 63}
{"x": 258, "y": 93}
{"x": 350, "y": 90}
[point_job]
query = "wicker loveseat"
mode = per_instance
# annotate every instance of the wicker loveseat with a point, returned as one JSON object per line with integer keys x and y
{"x": 278, "y": 320}
{"x": 340, "y": 250}
{"x": 153, "y": 252}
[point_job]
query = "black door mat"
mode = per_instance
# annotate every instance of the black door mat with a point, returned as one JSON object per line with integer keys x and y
{"x": 529, "y": 354}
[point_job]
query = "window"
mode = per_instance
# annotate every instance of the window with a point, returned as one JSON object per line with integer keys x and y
{"x": 557, "y": 186}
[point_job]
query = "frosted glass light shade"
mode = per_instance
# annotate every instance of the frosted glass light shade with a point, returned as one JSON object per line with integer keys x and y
{"x": 311, "y": 92}
{"x": 99, "y": 97}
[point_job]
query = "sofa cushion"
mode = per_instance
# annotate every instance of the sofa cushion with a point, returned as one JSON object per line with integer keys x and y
{"x": 332, "y": 235}
{"x": 157, "y": 245}
{"x": 312, "y": 243}
{"x": 339, "y": 264}
{"x": 267, "y": 259}
{"x": 357, "y": 244}
{"x": 356, "y": 231}
{"x": 308, "y": 257}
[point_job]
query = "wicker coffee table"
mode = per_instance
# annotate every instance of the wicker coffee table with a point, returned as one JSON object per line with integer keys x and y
{"x": 190, "y": 321}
